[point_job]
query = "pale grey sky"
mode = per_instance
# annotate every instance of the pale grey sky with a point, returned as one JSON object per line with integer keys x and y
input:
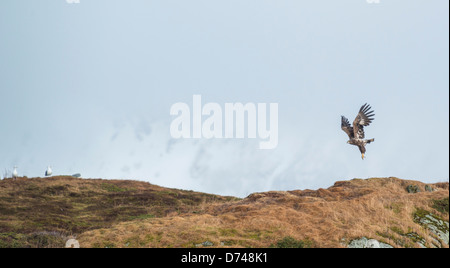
{"x": 88, "y": 88}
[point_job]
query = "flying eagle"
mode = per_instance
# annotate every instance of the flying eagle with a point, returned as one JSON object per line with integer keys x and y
{"x": 356, "y": 133}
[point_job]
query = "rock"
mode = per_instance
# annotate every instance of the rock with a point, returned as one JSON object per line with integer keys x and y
{"x": 372, "y": 243}
{"x": 364, "y": 242}
{"x": 358, "y": 243}
{"x": 205, "y": 244}
{"x": 415, "y": 237}
{"x": 421, "y": 245}
{"x": 72, "y": 243}
{"x": 208, "y": 244}
{"x": 384, "y": 245}
{"x": 436, "y": 225}
{"x": 412, "y": 189}
{"x": 428, "y": 188}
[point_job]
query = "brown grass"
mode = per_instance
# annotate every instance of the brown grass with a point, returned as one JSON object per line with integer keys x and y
{"x": 70, "y": 206}
{"x": 378, "y": 208}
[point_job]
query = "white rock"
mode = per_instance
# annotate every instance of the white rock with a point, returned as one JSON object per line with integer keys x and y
{"x": 72, "y": 243}
{"x": 372, "y": 243}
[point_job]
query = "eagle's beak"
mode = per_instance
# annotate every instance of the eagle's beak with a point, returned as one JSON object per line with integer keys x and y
{"x": 362, "y": 156}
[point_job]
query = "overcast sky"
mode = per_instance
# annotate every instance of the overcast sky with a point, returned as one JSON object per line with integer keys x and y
{"x": 87, "y": 88}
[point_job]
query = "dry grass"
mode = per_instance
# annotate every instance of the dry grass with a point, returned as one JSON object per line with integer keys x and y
{"x": 41, "y": 212}
{"x": 71, "y": 206}
{"x": 378, "y": 208}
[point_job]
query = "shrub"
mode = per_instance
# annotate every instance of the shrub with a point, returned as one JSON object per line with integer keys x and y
{"x": 441, "y": 205}
{"x": 290, "y": 242}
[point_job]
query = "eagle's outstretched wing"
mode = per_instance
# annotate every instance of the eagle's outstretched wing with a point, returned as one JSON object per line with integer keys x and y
{"x": 364, "y": 118}
{"x": 346, "y": 127}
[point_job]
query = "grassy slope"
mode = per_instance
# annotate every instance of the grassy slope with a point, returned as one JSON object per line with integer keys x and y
{"x": 105, "y": 213}
{"x": 45, "y": 211}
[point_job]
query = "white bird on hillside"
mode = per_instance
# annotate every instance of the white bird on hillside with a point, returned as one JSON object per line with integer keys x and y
{"x": 14, "y": 173}
{"x": 49, "y": 171}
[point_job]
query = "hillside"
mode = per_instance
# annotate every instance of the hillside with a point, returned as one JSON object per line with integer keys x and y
{"x": 45, "y": 212}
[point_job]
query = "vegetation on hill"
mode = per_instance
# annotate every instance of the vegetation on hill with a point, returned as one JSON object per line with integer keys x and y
{"x": 45, "y": 212}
